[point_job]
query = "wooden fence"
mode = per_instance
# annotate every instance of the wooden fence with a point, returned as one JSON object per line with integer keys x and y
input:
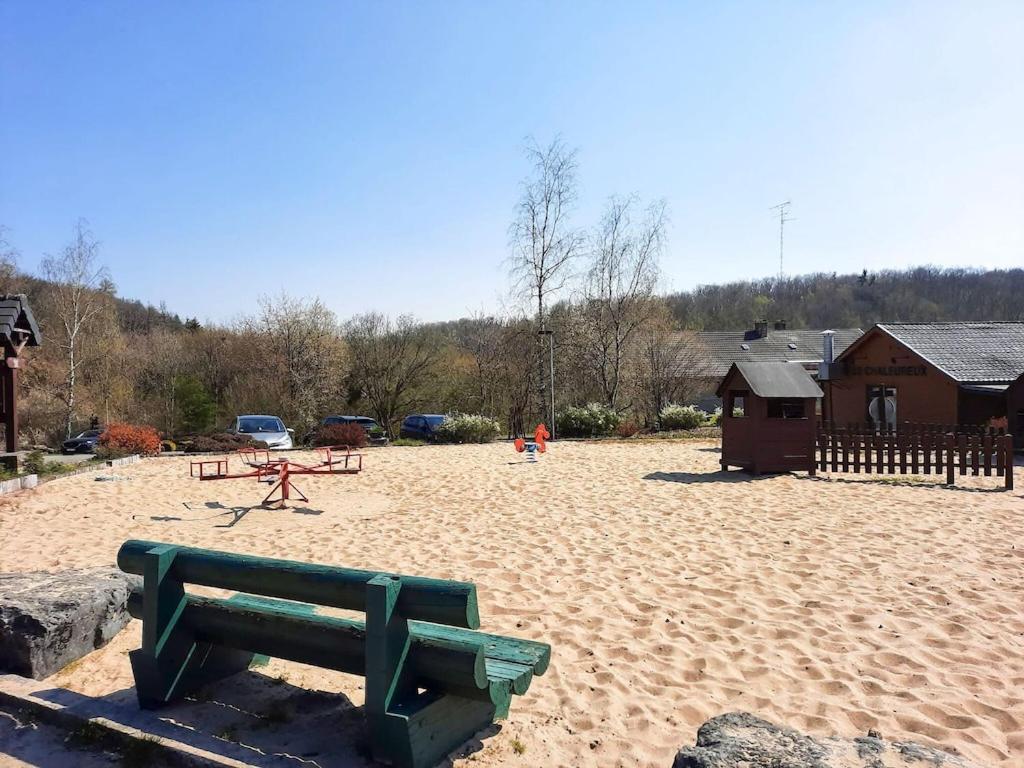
{"x": 916, "y": 449}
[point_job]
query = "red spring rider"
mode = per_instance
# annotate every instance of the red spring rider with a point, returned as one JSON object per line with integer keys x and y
{"x": 540, "y": 435}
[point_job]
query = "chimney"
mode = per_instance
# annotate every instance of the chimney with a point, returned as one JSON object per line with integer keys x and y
{"x": 761, "y": 329}
{"x": 780, "y": 325}
{"x": 827, "y": 355}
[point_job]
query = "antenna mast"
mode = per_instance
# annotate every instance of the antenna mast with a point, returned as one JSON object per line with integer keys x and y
{"x": 783, "y": 209}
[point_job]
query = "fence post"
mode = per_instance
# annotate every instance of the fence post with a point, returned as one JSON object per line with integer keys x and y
{"x": 1008, "y": 448}
{"x": 950, "y": 477}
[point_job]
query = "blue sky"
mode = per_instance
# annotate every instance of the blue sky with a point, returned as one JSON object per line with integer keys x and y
{"x": 371, "y": 153}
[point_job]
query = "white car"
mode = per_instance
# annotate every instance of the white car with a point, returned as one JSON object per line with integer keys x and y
{"x": 270, "y": 429}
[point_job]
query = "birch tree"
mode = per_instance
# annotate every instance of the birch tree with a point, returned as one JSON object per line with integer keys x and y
{"x": 543, "y": 240}
{"x": 76, "y": 300}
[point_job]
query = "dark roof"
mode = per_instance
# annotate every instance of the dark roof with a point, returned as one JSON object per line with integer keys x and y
{"x": 975, "y": 352}
{"x": 15, "y": 315}
{"x": 774, "y": 380}
{"x": 723, "y": 348}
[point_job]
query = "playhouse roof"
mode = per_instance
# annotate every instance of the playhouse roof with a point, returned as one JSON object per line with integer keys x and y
{"x": 15, "y": 316}
{"x": 774, "y": 379}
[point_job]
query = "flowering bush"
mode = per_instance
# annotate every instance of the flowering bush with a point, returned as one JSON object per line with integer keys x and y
{"x": 352, "y": 435}
{"x": 674, "y": 416}
{"x": 592, "y": 420}
{"x": 125, "y": 439}
{"x": 467, "y": 428}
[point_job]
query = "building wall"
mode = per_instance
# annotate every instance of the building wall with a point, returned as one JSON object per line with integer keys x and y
{"x": 923, "y": 393}
{"x": 1015, "y": 412}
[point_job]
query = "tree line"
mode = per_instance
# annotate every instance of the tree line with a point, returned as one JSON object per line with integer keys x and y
{"x": 588, "y": 294}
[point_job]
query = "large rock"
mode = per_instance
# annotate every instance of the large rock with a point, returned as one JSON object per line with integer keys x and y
{"x": 741, "y": 739}
{"x": 48, "y": 620}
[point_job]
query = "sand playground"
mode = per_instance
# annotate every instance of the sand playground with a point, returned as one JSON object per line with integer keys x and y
{"x": 669, "y": 592}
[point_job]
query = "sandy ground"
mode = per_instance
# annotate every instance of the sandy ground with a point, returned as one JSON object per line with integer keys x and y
{"x": 670, "y": 593}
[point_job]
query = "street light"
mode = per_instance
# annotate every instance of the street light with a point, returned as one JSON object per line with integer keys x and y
{"x": 551, "y": 340}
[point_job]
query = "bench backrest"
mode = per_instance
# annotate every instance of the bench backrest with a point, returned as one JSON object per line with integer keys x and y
{"x": 420, "y": 599}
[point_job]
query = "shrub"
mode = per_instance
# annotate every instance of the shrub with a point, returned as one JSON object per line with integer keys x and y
{"x": 593, "y": 420}
{"x": 627, "y": 428}
{"x": 352, "y": 435}
{"x": 716, "y": 417}
{"x": 34, "y": 463}
{"x": 467, "y": 428}
{"x": 222, "y": 442}
{"x": 125, "y": 439}
{"x": 674, "y": 416}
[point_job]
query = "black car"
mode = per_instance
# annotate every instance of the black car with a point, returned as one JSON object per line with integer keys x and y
{"x": 374, "y": 433}
{"x": 421, "y": 426}
{"x": 82, "y": 443}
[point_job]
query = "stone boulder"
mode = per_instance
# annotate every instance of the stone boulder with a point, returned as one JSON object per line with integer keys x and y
{"x": 741, "y": 739}
{"x": 48, "y": 620}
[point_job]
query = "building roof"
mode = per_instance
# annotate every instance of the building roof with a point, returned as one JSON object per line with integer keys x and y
{"x": 15, "y": 316}
{"x": 968, "y": 352}
{"x": 723, "y": 348}
{"x": 774, "y": 379}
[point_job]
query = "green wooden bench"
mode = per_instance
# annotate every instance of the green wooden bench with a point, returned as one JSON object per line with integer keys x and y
{"x": 431, "y": 681}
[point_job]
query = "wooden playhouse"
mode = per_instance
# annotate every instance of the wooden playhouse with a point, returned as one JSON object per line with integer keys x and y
{"x": 769, "y": 417}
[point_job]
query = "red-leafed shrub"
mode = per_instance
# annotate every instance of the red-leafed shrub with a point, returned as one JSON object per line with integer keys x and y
{"x": 352, "y": 435}
{"x": 126, "y": 439}
{"x": 221, "y": 442}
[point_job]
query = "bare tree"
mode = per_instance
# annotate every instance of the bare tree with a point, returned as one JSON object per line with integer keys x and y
{"x": 8, "y": 262}
{"x": 672, "y": 365}
{"x": 77, "y": 303}
{"x": 390, "y": 360}
{"x": 618, "y": 293}
{"x": 543, "y": 241}
{"x": 305, "y": 339}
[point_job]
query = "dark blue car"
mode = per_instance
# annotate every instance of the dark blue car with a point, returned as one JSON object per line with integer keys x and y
{"x": 82, "y": 443}
{"x": 421, "y": 426}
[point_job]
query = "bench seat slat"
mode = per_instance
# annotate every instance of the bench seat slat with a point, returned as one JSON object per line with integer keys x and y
{"x": 510, "y": 650}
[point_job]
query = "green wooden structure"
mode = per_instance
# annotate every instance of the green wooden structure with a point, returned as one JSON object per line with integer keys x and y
{"x": 431, "y": 681}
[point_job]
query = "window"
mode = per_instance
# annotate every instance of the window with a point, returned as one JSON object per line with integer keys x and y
{"x": 735, "y": 404}
{"x": 881, "y": 405}
{"x": 785, "y": 408}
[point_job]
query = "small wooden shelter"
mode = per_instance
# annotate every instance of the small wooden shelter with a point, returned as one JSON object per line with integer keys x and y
{"x": 18, "y": 330}
{"x": 768, "y": 417}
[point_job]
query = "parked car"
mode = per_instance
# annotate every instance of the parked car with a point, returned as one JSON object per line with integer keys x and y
{"x": 269, "y": 429}
{"x": 421, "y": 426}
{"x": 84, "y": 442}
{"x": 375, "y": 435}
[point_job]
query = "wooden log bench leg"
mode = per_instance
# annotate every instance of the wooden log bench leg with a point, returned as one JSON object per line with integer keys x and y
{"x": 171, "y": 663}
{"x": 409, "y": 728}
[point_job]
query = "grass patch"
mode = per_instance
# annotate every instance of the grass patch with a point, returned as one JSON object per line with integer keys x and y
{"x": 229, "y": 734}
{"x": 408, "y": 442}
{"x": 518, "y": 747}
{"x": 88, "y": 735}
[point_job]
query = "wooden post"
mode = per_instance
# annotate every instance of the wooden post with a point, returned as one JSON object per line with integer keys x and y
{"x": 387, "y": 645}
{"x": 950, "y": 442}
{"x": 1007, "y": 441}
{"x": 986, "y": 448}
{"x": 9, "y": 406}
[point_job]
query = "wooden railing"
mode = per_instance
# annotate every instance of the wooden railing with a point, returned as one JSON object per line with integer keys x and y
{"x": 916, "y": 449}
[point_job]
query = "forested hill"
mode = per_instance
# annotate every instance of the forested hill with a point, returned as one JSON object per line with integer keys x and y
{"x": 922, "y": 294}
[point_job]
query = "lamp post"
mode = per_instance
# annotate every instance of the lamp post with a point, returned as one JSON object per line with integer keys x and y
{"x": 551, "y": 346}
